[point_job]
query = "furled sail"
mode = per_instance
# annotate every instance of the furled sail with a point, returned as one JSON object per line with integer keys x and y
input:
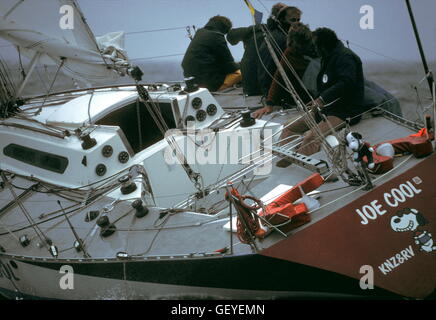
{"x": 54, "y": 32}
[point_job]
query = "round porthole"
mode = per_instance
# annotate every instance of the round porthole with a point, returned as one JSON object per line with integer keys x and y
{"x": 201, "y": 115}
{"x": 196, "y": 103}
{"x": 100, "y": 170}
{"x": 123, "y": 157}
{"x": 211, "y": 109}
{"x": 107, "y": 151}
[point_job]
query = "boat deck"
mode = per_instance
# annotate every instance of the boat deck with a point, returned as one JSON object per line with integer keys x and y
{"x": 177, "y": 234}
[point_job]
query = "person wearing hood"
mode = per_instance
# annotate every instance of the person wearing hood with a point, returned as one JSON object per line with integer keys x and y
{"x": 252, "y": 38}
{"x": 208, "y": 58}
{"x": 278, "y": 30}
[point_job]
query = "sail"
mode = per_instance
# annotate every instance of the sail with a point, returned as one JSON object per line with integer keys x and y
{"x": 55, "y": 31}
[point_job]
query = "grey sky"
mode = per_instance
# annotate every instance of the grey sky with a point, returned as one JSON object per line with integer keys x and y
{"x": 392, "y": 35}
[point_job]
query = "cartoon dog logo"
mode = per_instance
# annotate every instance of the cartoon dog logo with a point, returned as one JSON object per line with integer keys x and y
{"x": 408, "y": 219}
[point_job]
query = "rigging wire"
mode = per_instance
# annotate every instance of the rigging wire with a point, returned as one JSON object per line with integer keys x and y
{"x": 374, "y": 52}
{"x": 197, "y": 224}
{"x": 340, "y": 167}
{"x": 7, "y": 90}
{"x": 154, "y": 110}
{"x": 319, "y": 137}
{"x": 36, "y": 224}
{"x": 259, "y": 1}
{"x": 301, "y": 106}
{"x": 36, "y": 229}
{"x": 47, "y": 126}
{"x": 51, "y": 86}
{"x": 349, "y": 42}
{"x": 205, "y": 222}
{"x": 90, "y": 33}
{"x": 95, "y": 182}
{"x": 158, "y": 57}
{"x": 268, "y": 37}
{"x": 157, "y": 30}
{"x": 23, "y": 73}
{"x": 40, "y": 78}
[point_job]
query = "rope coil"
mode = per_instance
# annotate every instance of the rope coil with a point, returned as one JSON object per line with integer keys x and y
{"x": 248, "y": 222}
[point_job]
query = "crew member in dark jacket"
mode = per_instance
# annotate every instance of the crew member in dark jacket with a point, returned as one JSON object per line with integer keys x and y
{"x": 299, "y": 47}
{"x": 278, "y": 30}
{"x": 208, "y": 57}
{"x": 340, "y": 81}
{"x": 340, "y": 86}
{"x": 252, "y": 38}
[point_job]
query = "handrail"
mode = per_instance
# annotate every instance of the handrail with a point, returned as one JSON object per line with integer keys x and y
{"x": 22, "y": 126}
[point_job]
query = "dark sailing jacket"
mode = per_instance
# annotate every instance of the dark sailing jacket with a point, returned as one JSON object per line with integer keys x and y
{"x": 252, "y": 38}
{"x": 208, "y": 57}
{"x": 266, "y": 69}
{"x": 340, "y": 83}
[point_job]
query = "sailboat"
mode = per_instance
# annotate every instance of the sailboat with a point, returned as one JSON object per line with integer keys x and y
{"x": 166, "y": 190}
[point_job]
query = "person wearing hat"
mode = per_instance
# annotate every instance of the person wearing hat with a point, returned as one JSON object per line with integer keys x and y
{"x": 208, "y": 58}
{"x": 252, "y": 38}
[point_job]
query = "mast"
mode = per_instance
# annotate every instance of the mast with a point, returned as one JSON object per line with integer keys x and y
{"x": 421, "y": 50}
